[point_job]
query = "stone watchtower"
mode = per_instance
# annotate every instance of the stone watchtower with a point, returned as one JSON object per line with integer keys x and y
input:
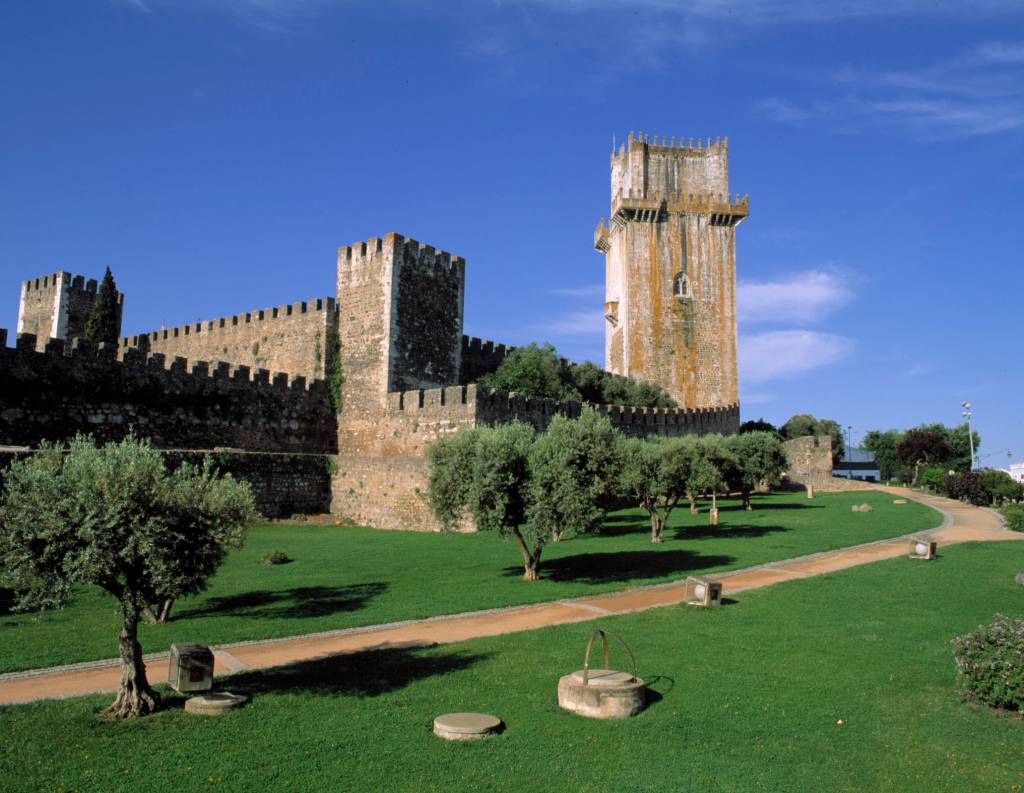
{"x": 56, "y": 306}
{"x": 670, "y": 269}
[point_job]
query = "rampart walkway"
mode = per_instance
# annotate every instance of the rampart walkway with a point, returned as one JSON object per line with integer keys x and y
{"x": 962, "y": 523}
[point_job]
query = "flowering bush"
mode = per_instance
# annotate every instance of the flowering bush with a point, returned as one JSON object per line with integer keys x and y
{"x": 990, "y": 663}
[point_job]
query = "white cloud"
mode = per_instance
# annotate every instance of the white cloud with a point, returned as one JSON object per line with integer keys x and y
{"x": 588, "y": 292}
{"x": 271, "y": 14}
{"x": 976, "y": 92}
{"x": 801, "y": 298}
{"x": 576, "y": 323}
{"x": 783, "y": 353}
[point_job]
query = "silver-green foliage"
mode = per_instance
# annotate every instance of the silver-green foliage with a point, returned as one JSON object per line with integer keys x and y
{"x": 113, "y": 516}
{"x": 532, "y": 488}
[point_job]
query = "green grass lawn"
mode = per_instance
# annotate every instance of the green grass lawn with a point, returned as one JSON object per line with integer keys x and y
{"x": 748, "y": 697}
{"x": 346, "y": 577}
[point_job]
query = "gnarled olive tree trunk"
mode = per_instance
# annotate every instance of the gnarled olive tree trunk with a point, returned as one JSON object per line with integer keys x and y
{"x": 531, "y": 559}
{"x": 135, "y": 697}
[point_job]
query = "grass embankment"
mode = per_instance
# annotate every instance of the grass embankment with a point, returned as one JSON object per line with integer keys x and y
{"x": 347, "y": 577}
{"x": 843, "y": 682}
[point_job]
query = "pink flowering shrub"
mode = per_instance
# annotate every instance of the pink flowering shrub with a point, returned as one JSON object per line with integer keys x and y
{"x": 990, "y": 663}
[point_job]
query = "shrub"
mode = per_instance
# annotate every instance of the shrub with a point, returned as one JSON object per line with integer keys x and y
{"x": 276, "y": 556}
{"x": 1013, "y": 514}
{"x": 990, "y": 663}
{"x": 967, "y": 486}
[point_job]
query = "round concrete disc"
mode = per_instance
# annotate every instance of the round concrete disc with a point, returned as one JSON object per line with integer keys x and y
{"x": 604, "y": 677}
{"x": 213, "y": 703}
{"x": 465, "y": 726}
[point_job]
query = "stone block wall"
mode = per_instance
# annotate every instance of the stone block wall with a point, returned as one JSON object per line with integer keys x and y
{"x": 52, "y": 395}
{"x": 480, "y": 357}
{"x": 57, "y": 306}
{"x": 383, "y": 469}
{"x": 282, "y": 484}
{"x": 299, "y": 338}
{"x": 810, "y": 463}
{"x": 670, "y": 270}
{"x": 400, "y": 319}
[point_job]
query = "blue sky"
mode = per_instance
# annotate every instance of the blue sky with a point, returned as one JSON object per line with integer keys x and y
{"x": 215, "y": 154}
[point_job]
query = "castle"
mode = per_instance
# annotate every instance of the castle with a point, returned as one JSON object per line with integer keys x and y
{"x": 332, "y": 403}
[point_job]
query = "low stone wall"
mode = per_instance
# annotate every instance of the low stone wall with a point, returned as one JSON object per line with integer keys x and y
{"x": 810, "y": 462}
{"x": 383, "y": 469}
{"x": 282, "y": 484}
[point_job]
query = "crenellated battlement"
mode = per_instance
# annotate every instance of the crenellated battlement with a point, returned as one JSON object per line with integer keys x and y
{"x": 495, "y": 406}
{"x": 687, "y": 146}
{"x": 284, "y": 311}
{"x": 132, "y": 357}
{"x": 64, "y": 389}
{"x": 393, "y": 241}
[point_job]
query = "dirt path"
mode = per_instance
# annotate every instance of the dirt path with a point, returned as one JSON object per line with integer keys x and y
{"x": 962, "y": 523}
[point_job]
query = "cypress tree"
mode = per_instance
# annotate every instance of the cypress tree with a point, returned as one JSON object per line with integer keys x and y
{"x": 102, "y": 324}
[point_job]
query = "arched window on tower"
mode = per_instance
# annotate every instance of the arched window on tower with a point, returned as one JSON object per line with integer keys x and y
{"x": 681, "y": 285}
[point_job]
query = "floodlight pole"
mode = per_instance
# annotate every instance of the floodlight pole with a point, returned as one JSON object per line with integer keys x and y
{"x": 849, "y": 452}
{"x": 970, "y": 434}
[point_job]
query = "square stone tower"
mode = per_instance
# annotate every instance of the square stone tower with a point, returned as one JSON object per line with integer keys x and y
{"x": 400, "y": 318}
{"x": 56, "y": 306}
{"x": 670, "y": 269}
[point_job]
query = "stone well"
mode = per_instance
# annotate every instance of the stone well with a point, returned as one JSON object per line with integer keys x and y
{"x": 602, "y": 693}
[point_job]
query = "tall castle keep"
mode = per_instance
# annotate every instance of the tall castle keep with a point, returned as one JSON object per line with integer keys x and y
{"x": 670, "y": 269}
{"x": 369, "y": 377}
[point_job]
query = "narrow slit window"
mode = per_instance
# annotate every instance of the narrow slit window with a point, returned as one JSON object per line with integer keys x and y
{"x": 681, "y": 285}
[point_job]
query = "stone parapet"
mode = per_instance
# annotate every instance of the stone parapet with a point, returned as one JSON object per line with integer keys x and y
{"x": 56, "y": 393}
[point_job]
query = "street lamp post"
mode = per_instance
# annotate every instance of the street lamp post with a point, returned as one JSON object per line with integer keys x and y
{"x": 970, "y": 434}
{"x": 849, "y": 451}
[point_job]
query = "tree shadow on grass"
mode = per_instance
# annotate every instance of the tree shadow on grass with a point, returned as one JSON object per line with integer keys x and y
{"x": 726, "y": 531}
{"x": 364, "y": 674}
{"x": 603, "y": 568}
{"x": 300, "y": 602}
{"x": 619, "y": 525}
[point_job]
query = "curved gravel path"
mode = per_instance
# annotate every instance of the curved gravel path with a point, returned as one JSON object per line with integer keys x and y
{"x": 962, "y": 523}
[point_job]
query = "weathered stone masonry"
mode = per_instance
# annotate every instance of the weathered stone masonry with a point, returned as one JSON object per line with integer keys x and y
{"x": 299, "y": 338}
{"x": 53, "y": 395}
{"x": 395, "y": 333}
{"x": 57, "y": 306}
{"x": 670, "y": 269}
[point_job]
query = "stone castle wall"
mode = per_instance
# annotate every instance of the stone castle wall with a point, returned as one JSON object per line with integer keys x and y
{"x": 57, "y": 306}
{"x": 810, "y": 463}
{"x": 383, "y": 470}
{"x": 480, "y": 357}
{"x": 52, "y": 395}
{"x": 282, "y": 484}
{"x": 299, "y": 339}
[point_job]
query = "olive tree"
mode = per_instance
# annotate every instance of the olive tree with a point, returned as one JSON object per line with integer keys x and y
{"x": 482, "y": 475}
{"x": 116, "y": 518}
{"x": 713, "y": 466}
{"x": 531, "y": 488}
{"x": 573, "y": 475}
{"x": 759, "y": 458}
{"x": 654, "y": 476}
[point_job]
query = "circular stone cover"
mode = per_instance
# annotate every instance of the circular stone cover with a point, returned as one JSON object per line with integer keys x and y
{"x": 604, "y": 678}
{"x": 465, "y": 726}
{"x": 214, "y": 703}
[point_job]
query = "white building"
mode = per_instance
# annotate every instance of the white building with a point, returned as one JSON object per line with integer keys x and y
{"x": 1016, "y": 470}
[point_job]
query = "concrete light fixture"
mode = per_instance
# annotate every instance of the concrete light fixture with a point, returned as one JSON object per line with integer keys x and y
{"x": 922, "y": 548}
{"x": 190, "y": 668}
{"x": 702, "y": 592}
